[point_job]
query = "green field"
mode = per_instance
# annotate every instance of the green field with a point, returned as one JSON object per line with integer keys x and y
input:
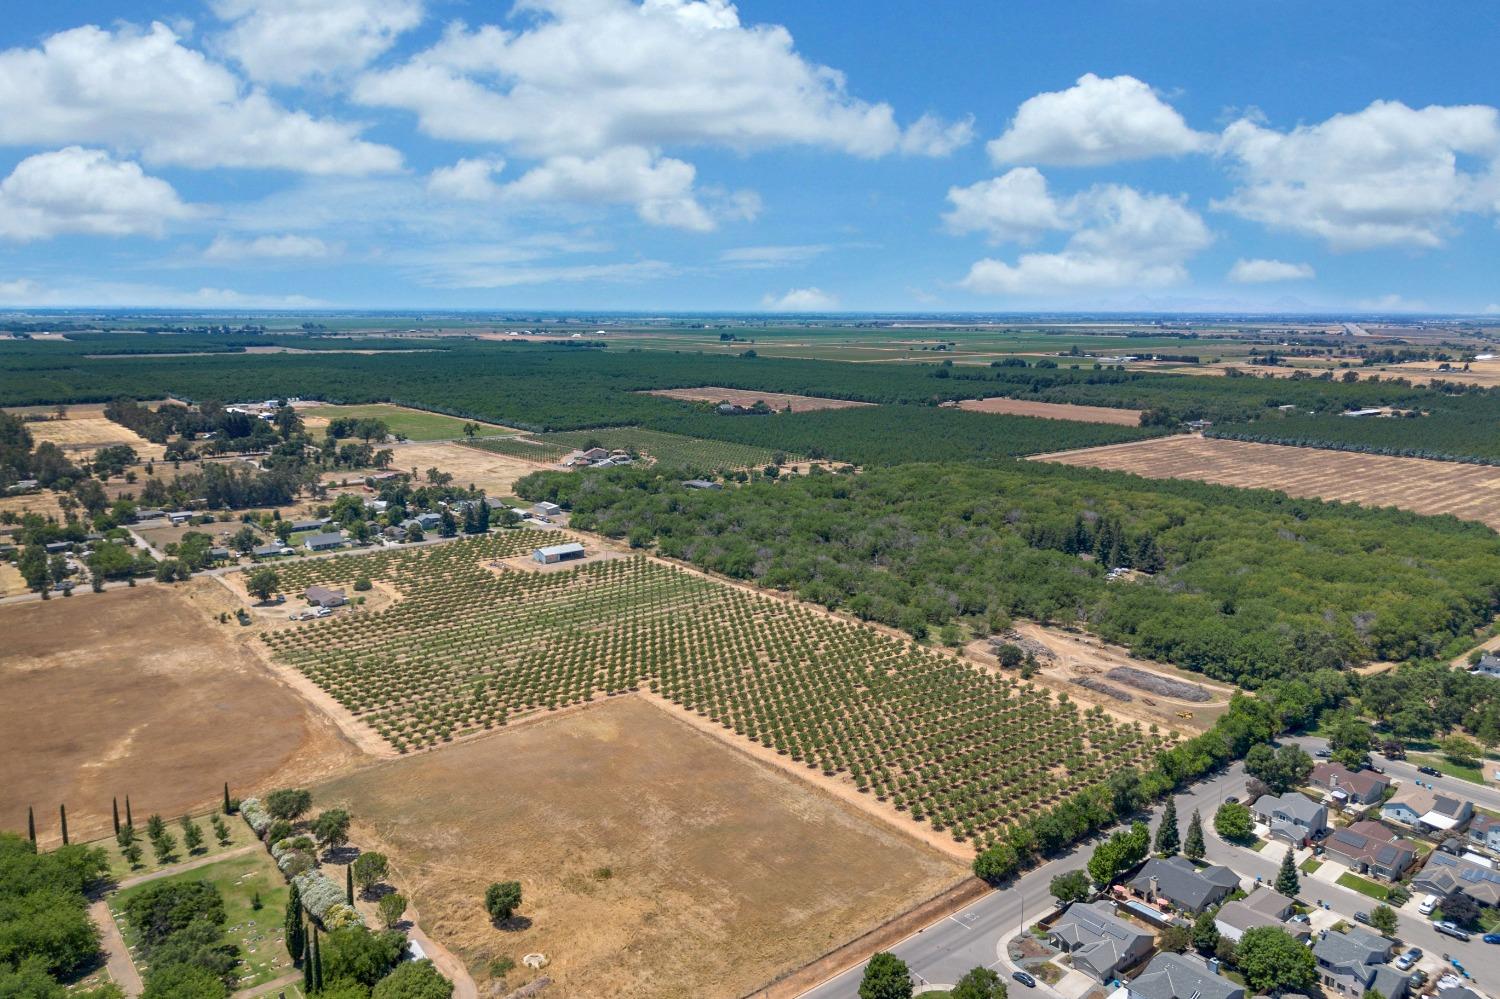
{"x": 408, "y": 423}
{"x": 257, "y": 933}
{"x": 239, "y": 836}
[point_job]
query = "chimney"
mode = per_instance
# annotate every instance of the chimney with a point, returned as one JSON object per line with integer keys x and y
{"x": 1155, "y": 887}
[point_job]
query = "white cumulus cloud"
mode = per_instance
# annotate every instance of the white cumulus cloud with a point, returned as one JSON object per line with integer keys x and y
{"x": 1264, "y": 271}
{"x": 77, "y": 190}
{"x": 143, "y": 92}
{"x": 285, "y": 247}
{"x": 801, "y": 300}
{"x": 1093, "y": 122}
{"x": 1389, "y": 175}
{"x": 290, "y": 41}
{"x": 1013, "y": 207}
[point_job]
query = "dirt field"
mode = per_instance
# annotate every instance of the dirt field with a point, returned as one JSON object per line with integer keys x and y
{"x": 85, "y": 430}
{"x": 721, "y": 874}
{"x": 740, "y": 397}
{"x": 496, "y": 474}
{"x": 141, "y": 692}
{"x": 1431, "y": 487}
{"x": 1055, "y": 411}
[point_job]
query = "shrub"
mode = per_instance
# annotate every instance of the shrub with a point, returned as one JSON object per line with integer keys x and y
{"x": 501, "y": 899}
{"x": 255, "y": 815}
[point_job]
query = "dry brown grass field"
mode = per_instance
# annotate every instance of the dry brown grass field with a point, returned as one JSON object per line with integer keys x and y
{"x": 142, "y": 692}
{"x": 655, "y": 860}
{"x": 1055, "y": 411}
{"x": 741, "y": 397}
{"x": 84, "y": 430}
{"x": 1417, "y": 484}
{"x": 495, "y": 473}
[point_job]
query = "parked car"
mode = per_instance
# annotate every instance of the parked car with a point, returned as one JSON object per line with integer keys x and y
{"x": 1411, "y": 957}
{"x": 1024, "y": 979}
{"x": 1322, "y": 754}
{"x": 1427, "y": 905}
{"x": 1418, "y": 979}
{"x": 1233, "y": 799}
{"x": 1362, "y": 917}
{"x": 1430, "y": 771}
{"x": 1452, "y": 929}
{"x": 1492, "y": 938}
{"x": 1302, "y": 918}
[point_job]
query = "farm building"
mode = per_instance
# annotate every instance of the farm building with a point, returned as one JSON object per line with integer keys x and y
{"x": 702, "y": 484}
{"x": 545, "y": 509}
{"x": 322, "y": 596}
{"x": 558, "y": 553}
{"x": 322, "y": 542}
{"x": 307, "y": 525}
{"x": 269, "y": 551}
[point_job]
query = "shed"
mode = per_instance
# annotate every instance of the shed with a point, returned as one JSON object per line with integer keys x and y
{"x": 546, "y": 509}
{"x": 558, "y": 553}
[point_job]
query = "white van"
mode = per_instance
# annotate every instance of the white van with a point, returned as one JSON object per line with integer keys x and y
{"x": 1428, "y": 904}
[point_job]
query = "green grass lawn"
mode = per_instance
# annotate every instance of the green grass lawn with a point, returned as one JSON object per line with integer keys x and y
{"x": 1447, "y": 766}
{"x": 258, "y": 933}
{"x": 1311, "y": 864}
{"x": 409, "y": 423}
{"x": 1363, "y": 886}
{"x": 239, "y": 835}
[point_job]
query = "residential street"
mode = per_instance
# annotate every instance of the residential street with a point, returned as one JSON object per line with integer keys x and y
{"x": 941, "y": 953}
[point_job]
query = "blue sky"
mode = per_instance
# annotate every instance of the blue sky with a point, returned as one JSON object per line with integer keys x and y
{"x": 697, "y": 154}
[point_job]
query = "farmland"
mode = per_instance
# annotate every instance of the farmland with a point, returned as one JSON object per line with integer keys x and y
{"x": 495, "y": 473}
{"x": 1470, "y": 492}
{"x": 778, "y": 401}
{"x": 413, "y": 424}
{"x": 84, "y": 429}
{"x": 843, "y": 700}
{"x": 1054, "y": 411}
{"x": 671, "y": 449}
{"x": 137, "y": 692}
{"x": 621, "y": 843}
{"x": 524, "y": 448}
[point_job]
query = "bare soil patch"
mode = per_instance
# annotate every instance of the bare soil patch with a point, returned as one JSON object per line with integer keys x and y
{"x": 740, "y": 397}
{"x": 1055, "y": 411}
{"x": 1471, "y": 492}
{"x": 655, "y": 860}
{"x": 142, "y": 692}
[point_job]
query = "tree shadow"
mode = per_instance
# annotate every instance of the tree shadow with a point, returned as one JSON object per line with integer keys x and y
{"x": 340, "y": 854}
{"x": 515, "y": 924}
{"x": 376, "y": 892}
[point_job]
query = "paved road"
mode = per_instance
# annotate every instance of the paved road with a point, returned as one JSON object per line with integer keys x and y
{"x": 940, "y": 954}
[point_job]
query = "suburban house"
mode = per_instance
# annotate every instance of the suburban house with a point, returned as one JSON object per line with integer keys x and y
{"x": 1368, "y": 847}
{"x": 1262, "y": 907}
{"x": 1101, "y": 943}
{"x": 557, "y": 553}
{"x": 1353, "y": 962}
{"x": 1292, "y": 817}
{"x": 1181, "y": 976}
{"x": 545, "y": 509}
{"x": 1177, "y": 882}
{"x": 1349, "y": 787}
{"x": 1488, "y": 665}
{"x": 322, "y": 542}
{"x": 1426, "y": 809}
{"x": 1485, "y": 831}
{"x": 1445, "y": 874}
{"x": 322, "y": 596}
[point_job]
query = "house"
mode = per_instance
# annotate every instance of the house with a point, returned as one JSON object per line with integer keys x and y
{"x": 1364, "y": 412}
{"x": 270, "y": 551}
{"x": 702, "y": 484}
{"x": 1445, "y": 874}
{"x": 300, "y": 526}
{"x": 1292, "y": 817}
{"x": 558, "y": 553}
{"x": 1101, "y": 943}
{"x": 1177, "y": 882}
{"x": 1369, "y": 847}
{"x": 179, "y": 517}
{"x": 1488, "y": 665}
{"x": 377, "y": 505}
{"x": 1345, "y": 786}
{"x": 545, "y": 509}
{"x": 57, "y": 547}
{"x": 1427, "y": 810}
{"x": 219, "y": 554}
{"x": 322, "y": 542}
{"x": 150, "y": 514}
{"x": 1181, "y": 976}
{"x": 1353, "y": 961}
{"x": 1262, "y": 907}
{"x": 429, "y": 521}
{"x": 322, "y": 596}
{"x": 1485, "y": 831}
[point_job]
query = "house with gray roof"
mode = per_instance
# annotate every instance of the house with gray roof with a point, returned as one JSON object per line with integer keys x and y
{"x": 1262, "y": 907}
{"x": 322, "y": 542}
{"x": 1179, "y": 883}
{"x": 1352, "y": 962}
{"x": 1101, "y": 943}
{"x": 1445, "y": 874}
{"x": 1349, "y": 787}
{"x": 1485, "y": 831}
{"x": 1370, "y": 848}
{"x": 1428, "y": 810}
{"x": 1292, "y": 817}
{"x": 1181, "y": 976}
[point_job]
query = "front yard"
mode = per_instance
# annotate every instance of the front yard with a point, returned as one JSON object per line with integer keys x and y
{"x": 1363, "y": 886}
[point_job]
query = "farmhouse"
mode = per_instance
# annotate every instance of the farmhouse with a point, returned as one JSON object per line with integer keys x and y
{"x": 1445, "y": 874}
{"x": 1178, "y": 883}
{"x": 322, "y": 596}
{"x": 1352, "y": 962}
{"x": 1371, "y": 847}
{"x": 1262, "y": 907}
{"x": 1346, "y": 786}
{"x": 1292, "y": 817}
{"x": 1425, "y": 809}
{"x": 269, "y": 551}
{"x": 1181, "y": 976}
{"x": 308, "y": 525}
{"x": 558, "y": 553}
{"x": 1101, "y": 943}
{"x": 322, "y": 542}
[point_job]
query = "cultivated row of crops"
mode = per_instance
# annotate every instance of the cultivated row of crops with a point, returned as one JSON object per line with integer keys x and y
{"x": 469, "y": 648}
{"x": 522, "y": 447}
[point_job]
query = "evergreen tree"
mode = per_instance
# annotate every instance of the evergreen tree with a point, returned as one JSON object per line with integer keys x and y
{"x": 30, "y": 824}
{"x": 1166, "y": 833}
{"x": 317, "y": 963}
{"x": 307, "y": 966}
{"x": 62, "y": 811}
{"x": 1193, "y": 847}
{"x": 349, "y": 884}
{"x": 296, "y": 930}
{"x": 228, "y": 808}
{"x": 1287, "y": 881}
{"x": 114, "y": 804}
{"x": 128, "y": 820}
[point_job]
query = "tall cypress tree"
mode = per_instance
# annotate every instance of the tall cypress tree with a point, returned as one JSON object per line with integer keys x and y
{"x": 1166, "y": 833}
{"x": 1287, "y": 881}
{"x": 128, "y": 820}
{"x": 114, "y": 803}
{"x": 62, "y": 811}
{"x": 317, "y": 963}
{"x": 296, "y": 930}
{"x": 30, "y": 824}
{"x": 307, "y": 964}
{"x": 227, "y": 808}
{"x": 349, "y": 884}
{"x": 1193, "y": 847}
